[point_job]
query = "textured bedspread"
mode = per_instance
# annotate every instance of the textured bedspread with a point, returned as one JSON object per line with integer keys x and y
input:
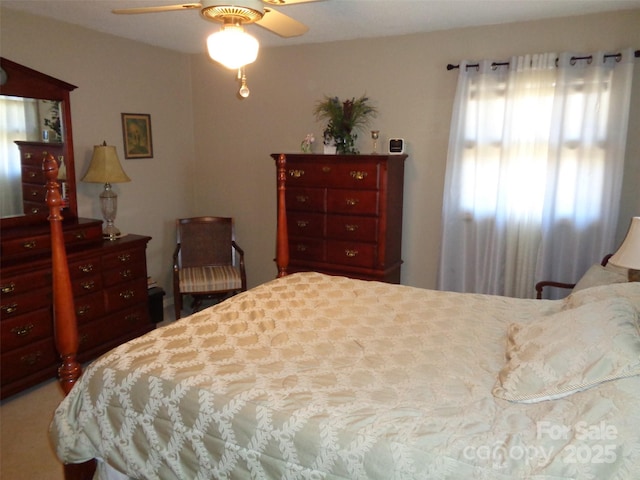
{"x": 311, "y": 377}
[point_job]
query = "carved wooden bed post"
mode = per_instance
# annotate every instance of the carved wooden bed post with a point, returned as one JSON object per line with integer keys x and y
{"x": 282, "y": 239}
{"x": 64, "y": 313}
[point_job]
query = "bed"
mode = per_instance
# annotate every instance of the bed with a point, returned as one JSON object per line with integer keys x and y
{"x": 311, "y": 376}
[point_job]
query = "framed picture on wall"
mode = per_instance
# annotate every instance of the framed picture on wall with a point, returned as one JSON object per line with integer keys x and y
{"x": 136, "y": 132}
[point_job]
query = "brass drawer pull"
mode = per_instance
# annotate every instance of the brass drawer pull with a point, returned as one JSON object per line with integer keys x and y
{"x": 32, "y": 175}
{"x": 81, "y": 235}
{"x": 83, "y": 310}
{"x": 132, "y": 317}
{"x": 34, "y": 193}
{"x": 352, "y": 202}
{"x": 302, "y": 198}
{"x": 126, "y": 273}
{"x": 127, "y": 294}
{"x": 86, "y": 268}
{"x": 8, "y": 288}
{"x": 88, "y": 285}
{"x": 351, "y": 253}
{"x": 30, "y": 244}
{"x": 350, "y": 227}
{"x": 27, "y": 155}
{"x": 303, "y": 223}
{"x": 31, "y": 359}
{"x": 326, "y": 169}
{"x": 35, "y": 210}
{"x": 301, "y": 247}
{"x": 124, "y": 257}
{"x": 23, "y": 330}
{"x": 11, "y": 308}
{"x": 358, "y": 175}
{"x": 296, "y": 173}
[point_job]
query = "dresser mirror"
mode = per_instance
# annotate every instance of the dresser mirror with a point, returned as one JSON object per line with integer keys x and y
{"x": 37, "y": 120}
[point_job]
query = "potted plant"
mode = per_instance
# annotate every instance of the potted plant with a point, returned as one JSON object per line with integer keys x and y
{"x": 345, "y": 119}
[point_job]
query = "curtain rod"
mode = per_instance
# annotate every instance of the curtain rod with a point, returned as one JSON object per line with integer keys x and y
{"x": 573, "y": 60}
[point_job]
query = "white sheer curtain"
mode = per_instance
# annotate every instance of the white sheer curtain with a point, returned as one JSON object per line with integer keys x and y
{"x": 18, "y": 121}
{"x": 534, "y": 170}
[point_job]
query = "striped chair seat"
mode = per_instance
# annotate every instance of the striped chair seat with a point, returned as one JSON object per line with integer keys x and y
{"x": 207, "y": 279}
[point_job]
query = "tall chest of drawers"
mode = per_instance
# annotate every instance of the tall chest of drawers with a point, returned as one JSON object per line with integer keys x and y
{"x": 344, "y": 214}
{"x": 109, "y": 282}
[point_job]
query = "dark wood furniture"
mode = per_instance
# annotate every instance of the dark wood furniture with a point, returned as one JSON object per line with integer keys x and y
{"x": 25, "y": 82}
{"x": 552, "y": 283}
{"x": 109, "y": 284}
{"x": 344, "y": 214}
{"x": 207, "y": 261}
{"x": 33, "y": 181}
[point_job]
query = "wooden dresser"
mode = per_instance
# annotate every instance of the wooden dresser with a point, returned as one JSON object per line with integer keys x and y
{"x": 109, "y": 281}
{"x": 33, "y": 182}
{"x": 344, "y": 214}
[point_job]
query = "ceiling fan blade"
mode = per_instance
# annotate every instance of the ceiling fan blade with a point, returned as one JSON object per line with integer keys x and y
{"x": 282, "y": 3}
{"x": 163, "y": 8}
{"x": 281, "y": 24}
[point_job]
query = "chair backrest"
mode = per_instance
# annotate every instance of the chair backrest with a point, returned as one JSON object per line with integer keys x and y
{"x": 205, "y": 241}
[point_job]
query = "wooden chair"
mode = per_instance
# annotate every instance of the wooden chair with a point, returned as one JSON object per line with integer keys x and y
{"x": 551, "y": 283}
{"x": 207, "y": 261}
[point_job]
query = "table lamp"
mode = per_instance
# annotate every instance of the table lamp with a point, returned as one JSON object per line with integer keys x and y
{"x": 105, "y": 168}
{"x": 628, "y": 255}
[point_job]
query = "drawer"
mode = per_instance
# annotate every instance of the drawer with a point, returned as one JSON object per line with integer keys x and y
{"x": 126, "y": 295}
{"x": 33, "y": 192}
{"x": 33, "y": 154}
{"x": 89, "y": 307}
{"x": 125, "y": 273}
{"x": 358, "y": 228}
{"x": 29, "y": 360}
{"x": 33, "y": 174}
{"x": 83, "y": 234}
{"x": 306, "y": 249}
{"x": 350, "y": 253}
{"x": 36, "y": 244}
{"x": 35, "y": 208}
{"x": 305, "y": 224}
{"x": 114, "y": 329}
{"x": 355, "y": 175}
{"x": 308, "y": 174}
{"x": 28, "y": 302}
{"x": 84, "y": 268}
{"x": 306, "y": 199}
{"x": 24, "y": 329}
{"x": 26, "y": 283}
{"x": 86, "y": 284}
{"x": 123, "y": 258}
{"x": 361, "y": 202}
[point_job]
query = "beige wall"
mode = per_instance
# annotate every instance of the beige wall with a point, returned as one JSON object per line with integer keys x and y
{"x": 407, "y": 79}
{"x": 115, "y": 76}
{"x": 212, "y": 148}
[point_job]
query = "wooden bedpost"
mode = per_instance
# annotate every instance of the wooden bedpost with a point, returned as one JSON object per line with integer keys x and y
{"x": 64, "y": 315}
{"x": 282, "y": 239}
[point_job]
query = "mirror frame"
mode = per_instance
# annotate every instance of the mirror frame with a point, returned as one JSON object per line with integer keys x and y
{"x": 23, "y": 81}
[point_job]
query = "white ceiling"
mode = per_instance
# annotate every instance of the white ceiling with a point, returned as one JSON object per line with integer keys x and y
{"x": 328, "y": 20}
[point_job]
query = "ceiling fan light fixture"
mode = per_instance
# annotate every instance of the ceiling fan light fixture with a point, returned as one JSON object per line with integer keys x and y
{"x": 233, "y": 47}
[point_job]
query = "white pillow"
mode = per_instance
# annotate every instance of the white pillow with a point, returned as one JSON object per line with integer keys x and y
{"x": 628, "y": 290}
{"x": 598, "y": 275}
{"x": 570, "y": 351}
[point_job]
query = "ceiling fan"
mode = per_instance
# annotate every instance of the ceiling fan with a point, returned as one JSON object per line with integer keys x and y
{"x": 239, "y": 12}
{"x": 232, "y": 46}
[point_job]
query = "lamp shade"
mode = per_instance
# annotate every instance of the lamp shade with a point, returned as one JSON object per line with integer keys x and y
{"x": 233, "y": 47}
{"x": 105, "y": 166}
{"x": 628, "y": 255}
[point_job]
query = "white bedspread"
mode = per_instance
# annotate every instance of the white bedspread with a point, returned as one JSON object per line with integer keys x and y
{"x": 311, "y": 377}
